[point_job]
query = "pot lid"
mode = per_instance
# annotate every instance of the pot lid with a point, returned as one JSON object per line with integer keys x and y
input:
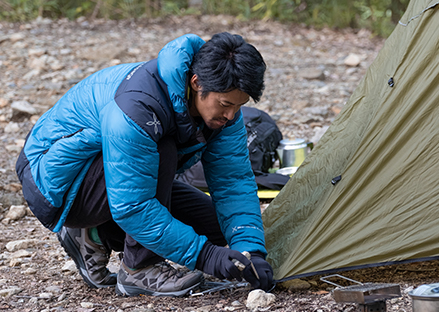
{"x": 292, "y": 142}
{"x": 430, "y": 290}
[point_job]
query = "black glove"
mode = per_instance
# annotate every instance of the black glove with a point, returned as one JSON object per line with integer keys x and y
{"x": 217, "y": 261}
{"x": 265, "y": 272}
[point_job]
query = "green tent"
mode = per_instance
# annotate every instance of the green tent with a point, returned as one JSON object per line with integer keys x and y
{"x": 385, "y": 147}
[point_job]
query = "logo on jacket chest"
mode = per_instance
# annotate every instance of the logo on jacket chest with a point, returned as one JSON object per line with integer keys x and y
{"x": 155, "y": 123}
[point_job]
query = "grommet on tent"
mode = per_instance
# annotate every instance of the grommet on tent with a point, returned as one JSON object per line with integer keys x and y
{"x": 335, "y": 180}
{"x": 391, "y": 83}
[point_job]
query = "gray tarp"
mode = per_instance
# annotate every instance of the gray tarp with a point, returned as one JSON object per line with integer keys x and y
{"x": 385, "y": 146}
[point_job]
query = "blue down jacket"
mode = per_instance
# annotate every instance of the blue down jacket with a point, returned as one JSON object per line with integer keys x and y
{"x": 123, "y": 111}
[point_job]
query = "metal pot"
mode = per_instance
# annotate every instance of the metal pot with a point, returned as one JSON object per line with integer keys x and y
{"x": 293, "y": 152}
{"x": 425, "y": 298}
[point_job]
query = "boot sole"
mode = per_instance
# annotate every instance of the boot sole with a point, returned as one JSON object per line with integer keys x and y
{"x": 72, "y": 250}
{"x": 131, "y": 291}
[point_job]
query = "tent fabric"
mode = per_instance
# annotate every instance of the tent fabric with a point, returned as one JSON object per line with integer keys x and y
{"x": 385, "y": 146}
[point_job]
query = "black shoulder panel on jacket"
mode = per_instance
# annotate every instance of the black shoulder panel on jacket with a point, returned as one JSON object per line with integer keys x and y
{"x": 144, "y": 98}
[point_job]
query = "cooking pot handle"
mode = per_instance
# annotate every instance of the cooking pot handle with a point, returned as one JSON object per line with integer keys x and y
{"x": 310, "y": 145}
{"x": 435, "y": 290}
{"x": 341, "y": 276}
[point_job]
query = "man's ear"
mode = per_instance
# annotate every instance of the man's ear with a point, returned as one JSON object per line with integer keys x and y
{"x": 195, "y": 84}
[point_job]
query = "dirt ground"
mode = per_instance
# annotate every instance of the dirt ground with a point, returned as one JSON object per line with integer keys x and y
{"x": 310, "y": 76}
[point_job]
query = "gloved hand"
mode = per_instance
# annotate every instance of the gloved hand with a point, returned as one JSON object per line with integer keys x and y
{"x": 217, "y": 261}
{"x": 265, "y": 272}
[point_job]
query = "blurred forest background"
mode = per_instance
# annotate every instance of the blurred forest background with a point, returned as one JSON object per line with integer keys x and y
{"x": 380, "y": 16}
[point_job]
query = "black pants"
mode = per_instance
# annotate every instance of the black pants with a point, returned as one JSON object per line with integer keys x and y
{"x": 185, "y": 203}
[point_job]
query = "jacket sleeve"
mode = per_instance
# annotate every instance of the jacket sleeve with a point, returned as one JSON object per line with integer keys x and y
{"x": 233, "y": 189}
{"x": 131, "y": 162}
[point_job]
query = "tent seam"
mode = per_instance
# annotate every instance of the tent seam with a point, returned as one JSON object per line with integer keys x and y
{"x": 416, "y": 16}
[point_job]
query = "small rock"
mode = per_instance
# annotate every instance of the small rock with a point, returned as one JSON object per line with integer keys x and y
{"x": 9, "y": 291}
{"x": 31, "y": 74}
{"x": 15, "y": 262}
{"x": 259, "y": 299}
{"x": 206, "y": 308}
{"x": 23, "y": 107}
{"x": 352, "y": 60}
{"x": 30, "y": 271}
{"x": 19, "y": 244}
{"x": 65, "y": 51}
{"x": 56, "y": 65}
{"x": 351, "y": 71}
{"x": 37, "y": 52}
{"x": 317, "y": 110}
{"x": 57, "y": 86}
{"x": 20, "y": 254}
{"x": 12, "y": 127}
{"x": 38, "y": 63}
{"x": 87, "y": 305}
{"x": 296, "y": 284}
{"x": 33, "y": 300}
{"x": 69, "y": 266}
{"x": 16, "y": 212}
{"x": 312, "y": 73}
{"x": 19, "y": 143}
{"x": 53, "y": 289}
{"x": 12, "y": 148}
{"x": 134, "y": 51}
{"x": 3, "y": 102}
{"x": 45, "y": 295}
{"x": 115, "y": 62}
{"x": 17, "y": 37}
{"x": 236, "y": 303}
{"x": 62, "y": 297}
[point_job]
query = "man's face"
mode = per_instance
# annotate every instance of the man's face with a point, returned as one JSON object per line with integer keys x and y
{"x": 216, "y": 108}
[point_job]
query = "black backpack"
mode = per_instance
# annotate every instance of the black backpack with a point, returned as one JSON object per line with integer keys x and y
{"x": 263, "y": 137}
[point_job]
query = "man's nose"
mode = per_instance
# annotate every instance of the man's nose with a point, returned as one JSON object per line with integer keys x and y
{"x": 229, "y": 113}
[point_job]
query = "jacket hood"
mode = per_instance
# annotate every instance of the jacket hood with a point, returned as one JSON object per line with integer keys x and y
{"x": 173, "y": 64}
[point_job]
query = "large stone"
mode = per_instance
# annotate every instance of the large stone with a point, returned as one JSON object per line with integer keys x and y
{"x": 16, "y": 212}
{"x": 259, "y": 299}
{"x": 352, "y": 60}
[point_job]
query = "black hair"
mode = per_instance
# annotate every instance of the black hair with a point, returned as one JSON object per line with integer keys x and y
{"x": 227, "y": 62}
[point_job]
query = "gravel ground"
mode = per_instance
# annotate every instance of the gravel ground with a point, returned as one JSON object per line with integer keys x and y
{"x": 311, "y": 74}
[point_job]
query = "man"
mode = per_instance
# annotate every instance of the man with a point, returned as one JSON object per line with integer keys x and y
{"x": 98, "y": 168}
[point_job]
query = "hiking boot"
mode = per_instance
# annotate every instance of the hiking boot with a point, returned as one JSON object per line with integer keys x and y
{"x": 90, "y": 258}
{"x": 160, "y": 279}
